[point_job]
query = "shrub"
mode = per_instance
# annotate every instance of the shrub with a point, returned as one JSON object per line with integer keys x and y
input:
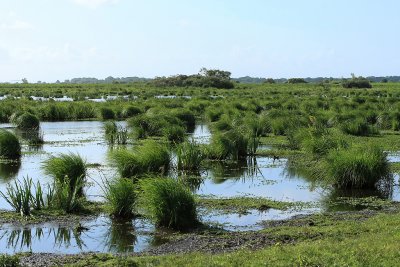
{"x": 120, "y": 195}
{"x": 150, "y": 157}
{"x": 27, "y": 121}
{"x": 168, "y": 203}
{"x": 357, "y": 168}
{"x": 359, "y": 82}
{"x": 10, "y": 147}
{"x": 296, "y": 80}
{"x": 107, "y": 114}
{"x": 70, "y": 166}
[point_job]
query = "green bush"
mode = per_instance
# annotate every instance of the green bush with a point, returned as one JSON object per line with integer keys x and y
{"x": 168, "y": 203}
{"x": 120, "y": 195}
{"x": 10, "y": 147}
{"x": 357, "y": 168}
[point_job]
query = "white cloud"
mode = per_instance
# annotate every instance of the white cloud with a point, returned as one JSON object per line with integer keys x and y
{"x": 95, "y": 3}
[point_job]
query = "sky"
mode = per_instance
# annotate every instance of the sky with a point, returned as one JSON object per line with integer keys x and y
{"x": 49, "y": 40}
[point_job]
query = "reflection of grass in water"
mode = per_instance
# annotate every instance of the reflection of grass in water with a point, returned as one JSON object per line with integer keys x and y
{"x": 63, "y": 236}
{"x": 120, "y": 237}
{"x": 9, "y": 170}
{"x": 243, "y": 169}
{"x": 19, "y": 237}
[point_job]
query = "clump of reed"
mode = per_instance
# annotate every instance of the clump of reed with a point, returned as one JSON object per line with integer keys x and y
{"x": 357, "y": 167}
{"x": 10, "y": 147}
{"x": 131, "y": 111}
{"x": 174, "y": 133}
{"x": 67, "y": 169}
{"x": 107, "y": 113}
{"x": 359, "y": 127}
{"x": 189, "y": 156}
{"x": 168, "y": 203}
{"x": 120, "y": 195}
{"x": 25, "y": 196}
{"x": 27, "y": 121}
{"x": 149, "y": 125}
{"x": 228, "y": 145}
{"x": 149, "y": 157}
{"x": 115, "y": 134}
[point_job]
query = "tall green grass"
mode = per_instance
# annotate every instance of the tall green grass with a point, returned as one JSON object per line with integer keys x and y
{"x": 120, "y": 195}
{"x": 228, "y": 145}
{"x": 357, "y": 167}
{"x": 189, "y": 156}
{"x": 149, "y": 157}
{"x": 71, "y": 167}
{"x": 115, "y": 134}
{"x": 27, "y": 121}
{"x": 10, "y": 147}
{"x": 168, "y": 203}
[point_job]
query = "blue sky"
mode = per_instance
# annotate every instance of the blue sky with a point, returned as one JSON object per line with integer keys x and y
{"x": 60, "y": 39}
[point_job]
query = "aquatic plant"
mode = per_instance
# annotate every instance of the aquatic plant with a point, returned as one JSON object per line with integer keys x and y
{"x": 107, "y": 113}
{"x": 115, "y": 134}
{"x": 19, "y": 196}
{"x": 149, "y": 157}
{"x": 228, "y": 145}
{"x": 189, "y": 156}
{"x": 174, "y": 133}
{"x": 120, "y": 194}
{"x": 10, "y": 147}
{"x": 359, "y": 128}
{"x": 168, "y": 203}
{"x": 131, "y": 111}
{"x": 70, "y": 166}
{"x": 27, "y": 121}
{"x": 68, "y": 194}
{"x": 357, "y": 168}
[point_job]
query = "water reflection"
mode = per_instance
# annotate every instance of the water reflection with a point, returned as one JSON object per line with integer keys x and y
{"x": 9, "y": 170}
{"x": 120, "y": 236}
{"x": 98, "y": 235}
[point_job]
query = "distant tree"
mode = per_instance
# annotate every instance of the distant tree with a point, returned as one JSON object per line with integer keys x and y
{"x": 356, "y": 82}
{"x": 215, "y": 73}
{"x": 24, "y": 80}
{"x": 384, "y": 80}
{"x": 269, "y": 80}
{"x": 296, "y": 80}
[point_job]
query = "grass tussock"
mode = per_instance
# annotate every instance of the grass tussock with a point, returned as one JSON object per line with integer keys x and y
{"x": 149, "y": 157}
{"x": 10, "y": 147}
{"x": 190, "y": 156}
{"x": 68, "y": 169}
{"x": 168, "y": 203}
{"x": 115, "y": 134}
{"x": 27, "y": 121}
{"x": 357, "y": 168}
{"x": 120, "y": 195}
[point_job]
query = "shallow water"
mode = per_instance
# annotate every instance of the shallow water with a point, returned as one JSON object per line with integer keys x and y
{"x": 97, "y": 235}
{"x": 252, "y": 177}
